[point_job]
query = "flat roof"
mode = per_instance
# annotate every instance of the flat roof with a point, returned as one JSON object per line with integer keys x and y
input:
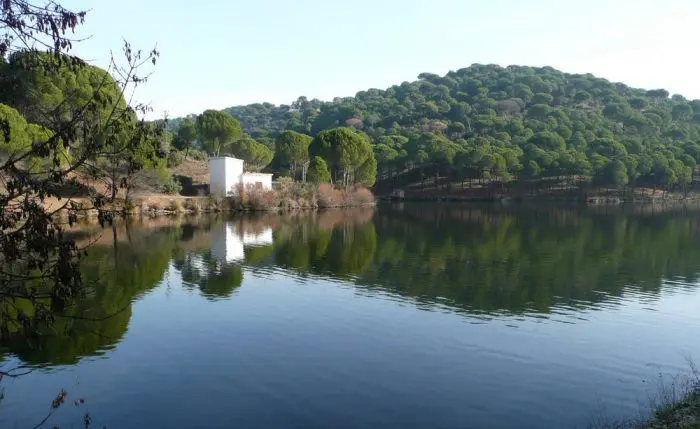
{"x": 224, "y": 157}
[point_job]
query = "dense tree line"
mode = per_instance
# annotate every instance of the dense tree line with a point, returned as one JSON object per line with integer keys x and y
{"x": 492, "y": 122}
{"x": 347, "y": 154}
{"x": 219, "y": 133}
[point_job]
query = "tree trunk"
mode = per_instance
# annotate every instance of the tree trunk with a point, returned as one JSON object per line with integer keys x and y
{"x": 304, "y": 170}
{"x": 346, "y": 177}
{"x": 114, "y": 187}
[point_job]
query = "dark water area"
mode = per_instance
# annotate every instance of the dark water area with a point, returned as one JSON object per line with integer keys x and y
{"x": 404, "y": 316}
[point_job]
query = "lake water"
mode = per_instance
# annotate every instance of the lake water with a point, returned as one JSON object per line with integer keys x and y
{"x": 406, "y": 316}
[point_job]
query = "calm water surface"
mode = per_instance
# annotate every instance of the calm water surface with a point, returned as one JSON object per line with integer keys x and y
{"x": 408, "y": 316}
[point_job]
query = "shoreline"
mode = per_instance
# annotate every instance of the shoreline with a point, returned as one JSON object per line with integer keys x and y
{"x": 587, "y": 200}
{"x": 675, "y": 405}
{"x": 172, "y": 205}
{"x": 683, "y": 414}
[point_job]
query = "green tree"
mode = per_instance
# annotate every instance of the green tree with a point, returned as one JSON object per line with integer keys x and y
{"x": 256, "y": 156}
{"x": 609, "y": 148}
{"x": 616, "y": 111}
{"x": 539, "y": 111}
{"x": 548, "y": 141}
{"x": 439, "y": 151}
{"x": 384, "y": 153}
{"x": 366, "y": 174}
{"x": 682, "y": 112}
{"x": 79, "y": 111}
{"x": 46, "y": 89}
{"x": 218, "y": 130}
{"x": 16, "y": 129}
{"x": 318, "y": 171}
{"x": 129, "y": 160}
{"x": 292, "y": 150}
{"x": 532, "y": 169}
{"x": 385, "y": 156}
{"x": 542, "y": 98}
{"x": 638, "y": 102}
{"x": 344, "y": 150}
{"x": 186, "y": 135}
{"x": 615, "y": 173}
{"x": 657, "y": 94}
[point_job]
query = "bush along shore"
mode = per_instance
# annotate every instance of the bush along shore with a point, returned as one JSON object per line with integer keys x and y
{"x": 290, "y": 196}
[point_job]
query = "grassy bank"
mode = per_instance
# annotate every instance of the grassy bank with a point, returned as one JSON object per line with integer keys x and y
{"x": 676, "y": 405}
{"x": 684, "y": 413}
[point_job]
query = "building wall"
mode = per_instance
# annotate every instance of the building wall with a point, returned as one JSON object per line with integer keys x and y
{"x": 224, "y": 174}
{"x": 265, "y": 180}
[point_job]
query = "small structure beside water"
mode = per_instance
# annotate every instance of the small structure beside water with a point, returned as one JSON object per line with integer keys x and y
{"x": 227, "y": 173}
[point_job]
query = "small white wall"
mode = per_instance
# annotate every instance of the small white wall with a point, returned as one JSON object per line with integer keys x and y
{"x": 224, "y": 174}
{"x": 265, "y": 180}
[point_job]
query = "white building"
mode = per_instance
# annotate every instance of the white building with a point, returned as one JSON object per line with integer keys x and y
{"x": 225, "y": 173}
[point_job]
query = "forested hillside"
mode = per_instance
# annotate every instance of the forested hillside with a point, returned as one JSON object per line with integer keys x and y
{"x": 514, "y": 122}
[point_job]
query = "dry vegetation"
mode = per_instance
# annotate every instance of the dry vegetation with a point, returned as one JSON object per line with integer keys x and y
{"x": 289, "y": 196}
{"x": 196, "y": 169}
{"x": 330, "y": 197}
{"x": 299, "y": 196}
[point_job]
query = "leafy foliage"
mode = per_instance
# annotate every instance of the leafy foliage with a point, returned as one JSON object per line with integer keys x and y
{"x": 292, "y": 151}
{"x": 59, "y": 117}
{"x": 487, "y": 121}
{"x": 255, "y": 155}
{"x": 344, "y": 150}
{"x": 218, "y": 130}
{"x": 186, "y": 135}
{"x": 318, "y": 171}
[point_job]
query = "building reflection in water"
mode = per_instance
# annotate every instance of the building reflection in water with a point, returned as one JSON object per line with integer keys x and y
{"x": 228, "y": 243}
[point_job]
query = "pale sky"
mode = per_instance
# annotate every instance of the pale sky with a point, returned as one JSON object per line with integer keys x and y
{"x": 216, "y": 54}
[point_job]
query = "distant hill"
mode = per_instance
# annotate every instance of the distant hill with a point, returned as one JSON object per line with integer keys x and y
{"x": 508, "y": 121}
